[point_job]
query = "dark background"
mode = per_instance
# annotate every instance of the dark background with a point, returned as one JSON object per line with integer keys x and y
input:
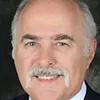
{"x": 9, "y": 83}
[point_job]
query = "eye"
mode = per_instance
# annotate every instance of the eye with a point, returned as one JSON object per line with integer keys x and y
{"x": 62, "y": 44}
{"x": 31, "y": 44}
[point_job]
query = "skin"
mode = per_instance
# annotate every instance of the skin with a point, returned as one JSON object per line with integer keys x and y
{"x": 40, "y": 25}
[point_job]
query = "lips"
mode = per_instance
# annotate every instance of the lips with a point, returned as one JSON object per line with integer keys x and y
{"x": 47, "y": 77}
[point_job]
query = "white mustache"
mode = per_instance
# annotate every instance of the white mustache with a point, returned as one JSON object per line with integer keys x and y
{"x": 46, "y": 71}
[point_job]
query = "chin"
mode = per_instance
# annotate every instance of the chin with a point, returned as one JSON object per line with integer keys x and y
{"x": 47, "y": 90}
{"x": 46, "y": 94}
{"x": 50, "y": 96}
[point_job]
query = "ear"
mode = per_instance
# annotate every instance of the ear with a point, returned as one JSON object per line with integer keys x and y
{"x": 92, "y": 50}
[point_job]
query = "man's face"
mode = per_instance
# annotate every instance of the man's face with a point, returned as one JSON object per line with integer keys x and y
{"x": 51, "y": 34}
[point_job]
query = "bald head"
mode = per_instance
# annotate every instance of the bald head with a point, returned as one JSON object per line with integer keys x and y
{"x": 49, "y": 12}
{"x": 52, "y": 5}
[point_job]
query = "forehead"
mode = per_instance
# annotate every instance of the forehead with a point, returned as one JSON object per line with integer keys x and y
{"x": 50, "y": 15}
{"x": 49, "y": 8}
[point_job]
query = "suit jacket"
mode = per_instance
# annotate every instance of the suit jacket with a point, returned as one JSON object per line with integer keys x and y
{"x": 90, "y": 95}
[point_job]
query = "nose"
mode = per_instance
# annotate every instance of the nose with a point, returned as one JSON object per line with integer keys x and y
{"x": 46, "y": 58}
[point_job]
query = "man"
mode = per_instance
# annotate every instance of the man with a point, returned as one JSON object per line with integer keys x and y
{"x": 53, "y": 46}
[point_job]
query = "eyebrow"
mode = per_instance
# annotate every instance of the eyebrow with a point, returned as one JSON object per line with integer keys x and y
{"x": 55, "y": 37}
{"x": 30, "y": 37}
{"x": 62, "y": 37}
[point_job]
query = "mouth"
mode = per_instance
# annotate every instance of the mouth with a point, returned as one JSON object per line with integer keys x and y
{"x": 47, "y": 77}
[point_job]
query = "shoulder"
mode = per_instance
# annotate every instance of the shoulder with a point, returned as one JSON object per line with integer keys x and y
{"x": 22, "y": 97}
{"x": 91, "y": 95}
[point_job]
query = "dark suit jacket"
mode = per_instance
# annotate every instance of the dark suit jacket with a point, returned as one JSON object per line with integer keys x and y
{"x": 90, "y": 95}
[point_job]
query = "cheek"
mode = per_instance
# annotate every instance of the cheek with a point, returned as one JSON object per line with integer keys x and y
{"x": 68, "y": 59}
{"x": 21, "y": 67}
{"x": 24, "y": 60}
{"x": 74, "y": 62}
{"x": 26, "y": 57}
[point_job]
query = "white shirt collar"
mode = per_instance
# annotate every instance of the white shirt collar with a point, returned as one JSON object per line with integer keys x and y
{"x": 80, "y": 95}
{"x": 29, "y": 98}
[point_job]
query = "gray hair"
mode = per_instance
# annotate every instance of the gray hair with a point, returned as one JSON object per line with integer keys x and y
{"x": 88, "y": 21}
